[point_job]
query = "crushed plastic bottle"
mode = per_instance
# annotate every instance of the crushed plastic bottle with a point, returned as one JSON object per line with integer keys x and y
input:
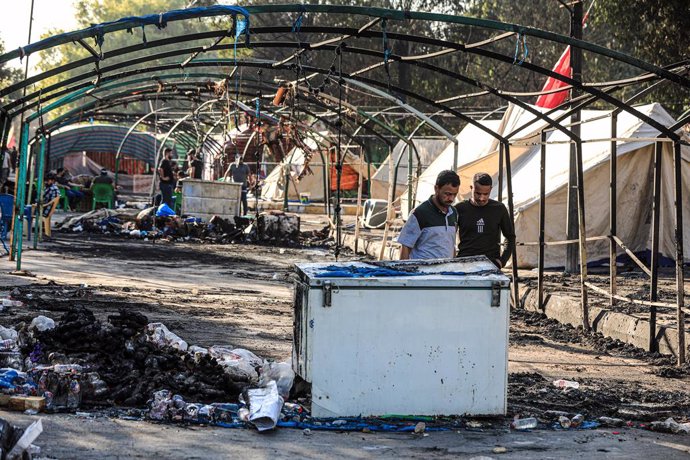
{"x": 561, "y": 383}
{"x": 564, "y": 421}
{"x": 68, "y": 368}
{"x": 576, "y": 421}
{"x": 611, "y": 421}
{"x": 524, "y": 423}
{"x": 74, "y": 395}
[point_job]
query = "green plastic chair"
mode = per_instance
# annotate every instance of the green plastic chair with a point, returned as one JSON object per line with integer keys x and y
{"x": 63, "y": 199}
{"x": 177, "y": 200}
{"x": 103, "y": 193}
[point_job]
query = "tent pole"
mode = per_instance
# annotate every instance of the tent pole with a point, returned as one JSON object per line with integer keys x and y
{"x": 500, "y": 173}
{"x": 583, "y": 236}
{"x": 359, "y": 199}
{"x": 613, "y": 171}
{"x": 680, "y": 281}
{"x": 325, "y": 181}
{"x": 656, "y": 211}
{"x": 39, "y": 191}
{"x": 410, "y": 164}
{"x": 542, "y": 215}
{"x": 455, "y": 154}
{"x": 390, "y": 212}
{"x": 20, "y": 199}
{"x": 511, "y": 210}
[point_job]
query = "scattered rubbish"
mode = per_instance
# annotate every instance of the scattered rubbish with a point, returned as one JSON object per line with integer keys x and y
{"x": 265, "y": 405}
{"x": 611, "y": 421}
{"x": 420, "y": 428}
{"x": 281, "y": 373}
{"x": 566, "y": 384}
{"x": 307, "y": 432}
{"x": 160, "y": 335}
{"x": 24, "y": 443}
{"x": 499, "y": 450}
{"x": 576, "y": 421}
{"x": 524, "y": 423}
{"x": 12, "y": 303}
{"x": 670, "y": 426}
{"x": 42, "y": 323}
{"x": 239, "y": 364}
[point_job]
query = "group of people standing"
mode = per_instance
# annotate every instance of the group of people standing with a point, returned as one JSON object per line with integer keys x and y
{"x": 170, "y": 173}
{"x": 478, "y": 222}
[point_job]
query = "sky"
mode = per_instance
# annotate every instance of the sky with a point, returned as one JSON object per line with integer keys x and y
{"x": 48, "y": 14}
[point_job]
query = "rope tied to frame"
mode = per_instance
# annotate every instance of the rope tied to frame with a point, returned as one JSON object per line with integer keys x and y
{"x": 520, "y": 48}
{"x": 386, "y": 53}
{"x": 297, "y": 25}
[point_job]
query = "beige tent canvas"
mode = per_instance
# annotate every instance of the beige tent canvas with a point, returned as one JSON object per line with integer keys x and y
{"x": 427, "y": 149}
{"x": 634, "y": 203}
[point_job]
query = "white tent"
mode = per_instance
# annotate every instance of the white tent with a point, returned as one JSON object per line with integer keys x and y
{"x": 312, "y": 182}
{"x": 428, "y": 150}
{"x": 634, "y": 188}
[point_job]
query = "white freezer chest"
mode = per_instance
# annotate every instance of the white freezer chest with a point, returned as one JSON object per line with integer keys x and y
{"x": 428, "y": 338}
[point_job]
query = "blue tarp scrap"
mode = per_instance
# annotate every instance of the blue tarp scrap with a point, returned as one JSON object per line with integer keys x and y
{"x": 333, "y": 271}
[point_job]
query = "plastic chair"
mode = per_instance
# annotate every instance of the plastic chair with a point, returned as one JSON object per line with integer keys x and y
{"x": 28, "y": 215}
{"x": 6, "y": 204}
{"x": 64, "y": 199}
{"x": 51, "y": 205}
{"x": 177, "y": 202}
{"x": 103, "y": 193}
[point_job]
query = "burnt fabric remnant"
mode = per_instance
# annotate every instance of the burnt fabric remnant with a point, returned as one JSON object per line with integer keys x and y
{"x": 131, "y": 367}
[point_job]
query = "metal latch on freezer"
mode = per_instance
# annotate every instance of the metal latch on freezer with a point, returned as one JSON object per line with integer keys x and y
{"x": 495, "y": 294}
{"x": 328, "y": 290}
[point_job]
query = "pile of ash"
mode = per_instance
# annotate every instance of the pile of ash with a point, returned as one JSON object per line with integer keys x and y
{"x": 132, "y": 366}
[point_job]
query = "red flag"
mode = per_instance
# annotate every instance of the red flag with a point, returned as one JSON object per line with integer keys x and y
{"x": 549, "y": 101}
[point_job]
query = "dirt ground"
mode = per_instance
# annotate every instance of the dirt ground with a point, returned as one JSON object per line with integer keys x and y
{"x": 241, "y": 295}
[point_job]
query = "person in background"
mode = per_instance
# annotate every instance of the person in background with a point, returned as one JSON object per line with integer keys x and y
{"x": 241, "y": 174}
{"x": 6, "y": 163}
{"x": 429, "y": 232}
{"x": 481, "y": 222}
{"x": 102, "y": 178}
{"x": 196, "y": 167}
{"x": 64, "y": 180}
{"x": 166, "y": 176}
{"x": 50, "y": 193}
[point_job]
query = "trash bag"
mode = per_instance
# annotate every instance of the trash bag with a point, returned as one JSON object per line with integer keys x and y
{"x": 281, "y": 373}
{"x": 42, "y": 323}
{"x": 240, "y": 364}
{"x": 164, "y": 211}
{"x": 160, "y": 335}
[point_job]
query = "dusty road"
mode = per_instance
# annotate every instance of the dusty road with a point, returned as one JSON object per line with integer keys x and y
{"x": 240, "y": 296}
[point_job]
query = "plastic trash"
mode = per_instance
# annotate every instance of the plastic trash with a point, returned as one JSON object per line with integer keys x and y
{"x": 7, "y": 344}
{"x": 158, "y": 406}
{"x": 74, "y": 394}
{"x": 239, "y": 364}
{"x": 566, "y": 384}
{"x": 564, "y": 421}
{"x": 670, "y": 426}
{"x": 577, "y": 420}
{"x": 265, "y": 405}
{"x": 283, "y": 375}
{"x": 68, "y": 369}
{"x": 7, "y": 333}
{"x": 164, "y": 211}
{"x": 524, "y": 423}
{"x": 611, "y": 421}
{"x": 160, "y": 335}
{"x": 12, "y": 303}
{"x": 42, "y": 323}
{"x": 8, "y": 377}
{"x": 24, "y": 443}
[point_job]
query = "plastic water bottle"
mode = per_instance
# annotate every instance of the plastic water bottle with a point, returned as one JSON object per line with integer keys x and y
{"x": 566, "y": 384}
{"x": 74, "y": 395}
{"x": 524, "y": 423}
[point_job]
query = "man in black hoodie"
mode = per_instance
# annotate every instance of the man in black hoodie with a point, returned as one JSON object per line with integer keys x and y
{"x": 481, "y": 221}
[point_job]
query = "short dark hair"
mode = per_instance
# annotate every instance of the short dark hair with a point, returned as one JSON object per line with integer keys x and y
{"x": 482, "y": 178}
{"x": 167, "y": 149}
{"x": 448, "y": 177}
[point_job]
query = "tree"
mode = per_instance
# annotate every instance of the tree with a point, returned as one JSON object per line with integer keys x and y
{"x": 8, "y": 75}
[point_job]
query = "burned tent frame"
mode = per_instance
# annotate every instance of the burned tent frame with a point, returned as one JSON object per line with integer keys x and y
{"x": 599, "y": 92}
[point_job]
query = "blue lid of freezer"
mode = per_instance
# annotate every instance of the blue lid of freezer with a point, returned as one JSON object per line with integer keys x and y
{"x": 460, "y": 271}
